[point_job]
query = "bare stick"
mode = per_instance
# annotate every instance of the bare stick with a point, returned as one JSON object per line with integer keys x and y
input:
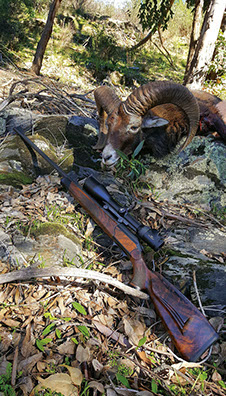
{"x": 197, "y": 293}
{"x": 29, "y": 273}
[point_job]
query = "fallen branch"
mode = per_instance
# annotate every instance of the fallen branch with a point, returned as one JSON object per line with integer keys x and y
{"x": 29, "y": 273}
{"x": 51, "y": 95}
{"x": 197, "y": 294}
{"x": 173, "y": 216}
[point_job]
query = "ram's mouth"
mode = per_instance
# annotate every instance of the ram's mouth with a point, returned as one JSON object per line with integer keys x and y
{"x": 109, "y": 164}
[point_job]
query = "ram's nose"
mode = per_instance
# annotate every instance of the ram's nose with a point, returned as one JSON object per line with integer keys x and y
{"x": 109, "y": 156}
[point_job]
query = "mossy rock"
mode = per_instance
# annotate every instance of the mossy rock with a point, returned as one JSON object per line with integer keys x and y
{"x": 52, "y": 128}
{"x": 16, "y": 164}
{"x": 51, "y": 228}
{"x": 16, "y": 179}
{"x": 82, "y": 136}
{"x": 64, "y": 159}
{"x": 196, "y": 175}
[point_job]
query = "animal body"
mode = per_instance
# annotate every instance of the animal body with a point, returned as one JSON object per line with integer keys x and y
{"x": 159, "y": 113}
{"x": 212, "y": 114}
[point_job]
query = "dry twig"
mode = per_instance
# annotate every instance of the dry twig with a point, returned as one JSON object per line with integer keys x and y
{"x": 29, "y": 273}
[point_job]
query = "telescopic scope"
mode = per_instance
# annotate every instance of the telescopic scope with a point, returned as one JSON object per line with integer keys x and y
{"x": 100, "y": 193}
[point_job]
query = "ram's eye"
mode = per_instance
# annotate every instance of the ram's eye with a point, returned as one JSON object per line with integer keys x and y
{"x": 134, "y": 129}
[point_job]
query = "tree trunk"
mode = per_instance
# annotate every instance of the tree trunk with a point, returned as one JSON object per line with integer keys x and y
{"x": 42, "y": 44}
{"x": 206, "y": 44}
{"x": 195, "y": 31}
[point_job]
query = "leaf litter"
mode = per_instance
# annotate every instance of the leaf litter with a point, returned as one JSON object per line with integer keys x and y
{"x": 80, "y": 337}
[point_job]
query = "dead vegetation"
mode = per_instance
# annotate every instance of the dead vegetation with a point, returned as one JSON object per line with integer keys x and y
{"x": 46, "y": 97}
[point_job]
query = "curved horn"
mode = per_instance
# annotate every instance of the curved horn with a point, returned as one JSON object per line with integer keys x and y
{"x": 106, "y": 101}
{"x": 160, "y": 92}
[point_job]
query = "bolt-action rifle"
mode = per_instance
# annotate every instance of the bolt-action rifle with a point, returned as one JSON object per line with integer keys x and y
{"x": 189, "y": 330}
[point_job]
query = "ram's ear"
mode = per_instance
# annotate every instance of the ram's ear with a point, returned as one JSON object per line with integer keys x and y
{"x": 153, "y": 121}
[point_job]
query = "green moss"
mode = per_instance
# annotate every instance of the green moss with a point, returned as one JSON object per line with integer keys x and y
{"x": 49, "y": 150}
{"x": 54, "y": 229}
{"x": 171, "y": 252}
{"x": 15, "y": 179}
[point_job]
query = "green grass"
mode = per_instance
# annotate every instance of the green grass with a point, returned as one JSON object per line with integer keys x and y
{"x": 84, "y": 51}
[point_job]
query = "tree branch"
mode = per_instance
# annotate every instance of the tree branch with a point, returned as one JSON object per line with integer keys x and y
{"x": 30, "y": 272}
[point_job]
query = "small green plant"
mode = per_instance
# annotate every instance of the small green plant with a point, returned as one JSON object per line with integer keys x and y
{"x": 41, "y": 260}
{"x": 155, "y": 194}
{"x": 201, "y": 376}
{"x": 47, "y": 392}
{"x": 41, "y": 343}
{"x": 51, "y": 368}
{"x": 220, "y": 213}
{"x": 85, "y": 387}
{"x": 79, "y": 308}
{"x": 84, "y": 330}
{"x": 130, "y": 167}
{"x": 123, "y": 371}
{"x": 5, "y": 382}
{"x": 154, "y": 386}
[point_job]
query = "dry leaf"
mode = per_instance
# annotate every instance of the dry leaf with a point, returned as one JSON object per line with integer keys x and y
{"x": 134, "y": 329}
{"x": 178, "y": 380}
{"x": 58, "y": 383}
{"x": 17, "y": 296}
{"x": 115, "y": 335}
{"x": 27, "y": 344}
{"x": 6, "y": 341}
{"x": 75, "y": 374}
{"x": 82, "y": 354}
{"x": 67, "y": 348}
{"x": 111, "y": 392}
{"x": 98, "y": 367}
{"x": 89, "y": 228}
{"x": 41, "y": 366}
{"x": 27, "y": 364}
{"x": 26, "y": 386}
{"x": 216, "y": 377}
{"x": 96, "y": 385}
{"x": 11, "y": 322}
{"x": 112, "y": 302}
{"x": 106, "y": 320}
{"x": 61, "y": 304}
{"x": 146, "y": 311}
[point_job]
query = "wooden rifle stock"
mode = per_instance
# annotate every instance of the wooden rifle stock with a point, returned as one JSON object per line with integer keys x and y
{"x": 189, "y": 330}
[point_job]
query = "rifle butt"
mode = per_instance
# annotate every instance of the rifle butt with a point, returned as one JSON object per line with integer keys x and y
{"x": 189, "y": 330}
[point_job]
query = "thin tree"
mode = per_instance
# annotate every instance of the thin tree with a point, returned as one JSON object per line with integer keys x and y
{"x": 42, "y": 44}
{"x": 204, "y": 49}
{"x": 195, "y": 32}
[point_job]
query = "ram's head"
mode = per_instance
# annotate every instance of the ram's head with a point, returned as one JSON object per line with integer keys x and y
{"x": 122, "y": 123}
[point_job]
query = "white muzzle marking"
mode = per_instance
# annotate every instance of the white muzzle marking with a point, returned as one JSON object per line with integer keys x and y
{"x": 109, "y": 156}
